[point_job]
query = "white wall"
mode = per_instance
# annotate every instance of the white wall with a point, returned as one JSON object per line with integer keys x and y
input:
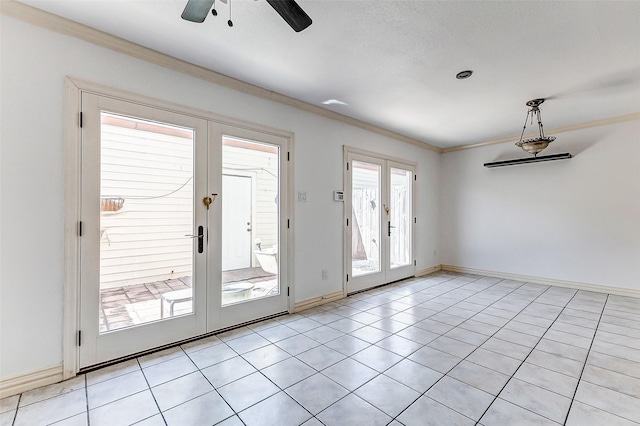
{"x": 575, "y": 220}
{"x": 33, "y": 67}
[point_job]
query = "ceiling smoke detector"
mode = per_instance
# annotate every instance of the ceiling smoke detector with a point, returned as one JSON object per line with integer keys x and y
{"x": 534, "y": 145}
{"x": 464, "y": 74}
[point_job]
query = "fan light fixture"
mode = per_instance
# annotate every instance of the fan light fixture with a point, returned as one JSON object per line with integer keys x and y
{"x": 534, "y": 145}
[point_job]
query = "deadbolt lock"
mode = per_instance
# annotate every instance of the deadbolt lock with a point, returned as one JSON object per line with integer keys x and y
{"x": 208, "y": 200}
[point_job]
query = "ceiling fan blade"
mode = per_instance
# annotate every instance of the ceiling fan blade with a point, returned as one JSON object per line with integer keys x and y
{"x": 197, "y": 10}
{"x": 292, "y": 13}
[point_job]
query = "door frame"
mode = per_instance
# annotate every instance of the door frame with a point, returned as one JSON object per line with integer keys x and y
{"x": 72, "y": 196}
{"x": 386, "y": 159}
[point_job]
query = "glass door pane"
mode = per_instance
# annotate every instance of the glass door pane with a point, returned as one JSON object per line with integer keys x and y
{"x": 250, "y": 220}
{"x": 146, "y": 221}
{"x": 365, "y": 215}
{"x": 400, "y": 217}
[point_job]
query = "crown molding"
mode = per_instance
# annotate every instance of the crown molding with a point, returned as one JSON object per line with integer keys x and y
{"x": 74, "y": 29}
{"x": 580, "y": 126}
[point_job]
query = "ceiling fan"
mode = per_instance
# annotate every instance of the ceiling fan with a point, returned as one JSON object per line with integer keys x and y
{"x": 289, "y": 10}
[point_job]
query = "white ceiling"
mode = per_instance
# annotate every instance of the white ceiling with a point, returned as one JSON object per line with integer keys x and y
{"x": 394, "y": 62}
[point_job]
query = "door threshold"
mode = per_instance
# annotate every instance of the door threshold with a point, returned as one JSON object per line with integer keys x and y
{"x": 174, "y": 344}
{"x": 380, "y": 285}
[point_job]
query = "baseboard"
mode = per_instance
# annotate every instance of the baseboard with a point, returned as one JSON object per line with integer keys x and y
{"x": 620, "y": 291}
{"x": 25, "y": 382}
{"x": 429, "y": 270}
{"x": 317, "y": 301}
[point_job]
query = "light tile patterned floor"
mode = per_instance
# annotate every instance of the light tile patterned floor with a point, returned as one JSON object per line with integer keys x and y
{"x": 445, "y": 349}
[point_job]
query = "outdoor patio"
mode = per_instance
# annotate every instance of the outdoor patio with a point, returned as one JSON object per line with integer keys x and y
{"x": 126, "y": 306}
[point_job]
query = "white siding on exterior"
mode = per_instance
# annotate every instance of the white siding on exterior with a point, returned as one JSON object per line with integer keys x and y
{"x": 150, "y": 167}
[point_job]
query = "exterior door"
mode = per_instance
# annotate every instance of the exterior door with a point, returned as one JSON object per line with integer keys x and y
{"x": 153, "y": 202}
{"x": 236, "y": 228}
{"x": 379, "y": 221}
{"x": 143, "y": 228}
{"x": 240, "y": 295}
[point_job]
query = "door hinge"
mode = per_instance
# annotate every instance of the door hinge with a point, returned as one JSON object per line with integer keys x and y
{"x": 415, "y": 177}
{"x": 415, "y": 263}
{"x": 347, "y": 166}
{"x": 347, "y": 277}
{"x": 288, "y": 156}
{"x": 415, "y": 220}
{"x": 288, "y": 224}
{"x": 347, "y": 221}
{"x": 81, "y": 119}
{"x": 80, "y": 229}
{"x": 79, "y": 337}
{"x": 287, "y": 291}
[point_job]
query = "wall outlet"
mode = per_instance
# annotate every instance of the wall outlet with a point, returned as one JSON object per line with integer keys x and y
{"x": 324, "y": 274}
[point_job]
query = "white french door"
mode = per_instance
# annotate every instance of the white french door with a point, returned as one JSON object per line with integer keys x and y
{"x": 152, "y": 206}
{"x": 379, "y": 220}
{"x": 239, "y": 150}
{"x": 143, "y": 173}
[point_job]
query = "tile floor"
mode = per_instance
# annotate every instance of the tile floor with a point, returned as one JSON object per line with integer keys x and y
{"x": 445, "y": 349}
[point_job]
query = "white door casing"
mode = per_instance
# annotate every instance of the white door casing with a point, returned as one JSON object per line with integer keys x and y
{"x": 375, "y": 188}
{"x": 85, "y": 100}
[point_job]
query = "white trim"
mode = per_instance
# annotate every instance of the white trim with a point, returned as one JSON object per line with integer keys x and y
{"x": 385, "y": 162}
{"x": 71, "y": 28}
{"x": 429, "y": 270}
{"x": 73, "y": 92}
{"x": 290, "y": 216}
{"x": 573, "y": 127}
{"x": 353, "y": 150}
{"x": 71, "y": 301}
{"x": 620, "y": 291}
{"x": 319, "y": 300}
{"x": 25, "y": 382}
{"x": 149, "y": 101}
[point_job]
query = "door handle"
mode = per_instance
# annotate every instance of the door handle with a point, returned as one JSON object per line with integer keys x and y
{"x": 200, "y": 238}
{"x": 390, "y": 227}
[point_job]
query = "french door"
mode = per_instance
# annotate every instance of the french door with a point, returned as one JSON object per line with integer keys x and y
{"x": 157, "y": 219}
{"x": 379, "y": 220}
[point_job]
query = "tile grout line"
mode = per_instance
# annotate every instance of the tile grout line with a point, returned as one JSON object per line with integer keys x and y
{"x": 373, "y": 344}
{"x": 214, "y": 388}
{"x": 86, "y": 396}
{"x": 458, "y": 363}
{"x": 595, "y": 332}
{"x": 406, "y": 357}
{"x": 525, "y": 359}
{"x": 151, "y": 392}
{"x": 15, "y": 415}
{"x": 501, "y": 328}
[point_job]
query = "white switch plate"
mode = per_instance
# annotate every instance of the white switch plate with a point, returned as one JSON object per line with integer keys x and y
{"x": 302, "y": 197}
